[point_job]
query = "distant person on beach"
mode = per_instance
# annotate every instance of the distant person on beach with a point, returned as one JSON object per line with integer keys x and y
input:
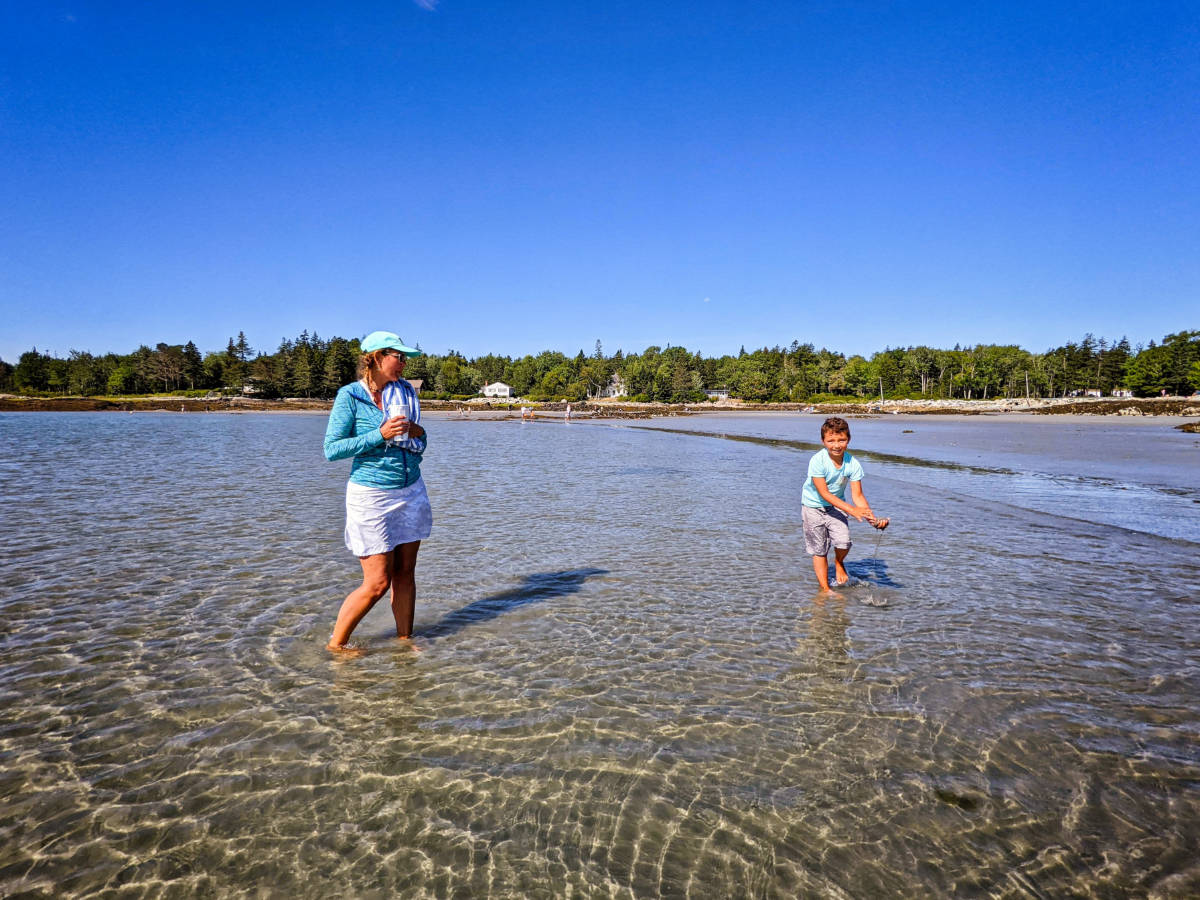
{"x": 825, "y": 512}
{"x": 377, "y": 422}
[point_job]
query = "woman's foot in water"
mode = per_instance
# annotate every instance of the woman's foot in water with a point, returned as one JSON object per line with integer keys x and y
{"x": 409, "y": 643}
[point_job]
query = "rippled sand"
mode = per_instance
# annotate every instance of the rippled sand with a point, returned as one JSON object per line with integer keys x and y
{"x": 626, "y": 687}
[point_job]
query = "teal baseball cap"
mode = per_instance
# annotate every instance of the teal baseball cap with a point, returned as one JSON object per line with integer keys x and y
{"x": 386, "y": 340}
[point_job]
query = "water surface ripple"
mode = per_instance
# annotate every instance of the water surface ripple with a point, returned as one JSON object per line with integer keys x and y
{"x": 625, "y": 686}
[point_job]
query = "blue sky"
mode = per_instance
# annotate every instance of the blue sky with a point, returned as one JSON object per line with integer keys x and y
{"x": 513, "y": 177}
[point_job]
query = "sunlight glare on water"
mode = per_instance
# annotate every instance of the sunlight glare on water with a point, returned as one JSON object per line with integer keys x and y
{"x": 625, "y": 686}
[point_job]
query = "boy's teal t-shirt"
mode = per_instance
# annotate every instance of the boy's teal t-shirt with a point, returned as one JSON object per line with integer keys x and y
{"x": 821, "y": 466}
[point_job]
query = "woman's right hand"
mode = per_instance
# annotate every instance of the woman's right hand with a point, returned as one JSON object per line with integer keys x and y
{"x": 396, "y": 426}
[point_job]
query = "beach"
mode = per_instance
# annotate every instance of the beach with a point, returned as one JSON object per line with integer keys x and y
{"x": 626, "y": 685}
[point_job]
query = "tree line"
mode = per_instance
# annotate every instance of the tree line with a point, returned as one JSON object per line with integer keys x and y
{"x": 310, "y": 366}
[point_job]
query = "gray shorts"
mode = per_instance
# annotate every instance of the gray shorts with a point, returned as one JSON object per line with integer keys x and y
{"x": 824, "y": 528}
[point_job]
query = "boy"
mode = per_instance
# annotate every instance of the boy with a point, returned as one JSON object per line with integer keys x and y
{"x": 825, "y": 509}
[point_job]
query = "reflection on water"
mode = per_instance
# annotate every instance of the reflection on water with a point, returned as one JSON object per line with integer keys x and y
{"x": 824, "y": 636}
{"x": 627, "y": 687}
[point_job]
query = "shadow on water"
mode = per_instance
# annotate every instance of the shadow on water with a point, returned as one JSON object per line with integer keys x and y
{"x": 538, "y": 587}
{"x": 871, "y": 569}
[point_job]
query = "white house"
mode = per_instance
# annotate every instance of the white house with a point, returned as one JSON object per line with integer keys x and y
{"x": 497, "y": 389}
{"x": 615, "y": 388}
{"x": 718, "y": 394}
{"x": 1121, "y": 392}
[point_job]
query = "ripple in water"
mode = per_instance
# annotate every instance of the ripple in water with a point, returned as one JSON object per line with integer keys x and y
{"x": 626, "y": 687}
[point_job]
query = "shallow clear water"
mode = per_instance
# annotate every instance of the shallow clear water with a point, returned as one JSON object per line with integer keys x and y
{"x": 1141, "y": 474}
{"x": 625, "y": 685}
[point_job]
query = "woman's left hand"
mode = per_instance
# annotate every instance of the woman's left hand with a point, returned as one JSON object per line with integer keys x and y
{"x": 396, "y": 426}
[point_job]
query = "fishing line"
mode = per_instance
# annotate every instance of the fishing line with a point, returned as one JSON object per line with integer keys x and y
{"x": 876, "y": 562}
{"x": 870, "y": 598}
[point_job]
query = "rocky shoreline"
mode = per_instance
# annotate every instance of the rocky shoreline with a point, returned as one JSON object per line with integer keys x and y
{"x": 1153, "y": 406}
{"x": 16, "y": 403}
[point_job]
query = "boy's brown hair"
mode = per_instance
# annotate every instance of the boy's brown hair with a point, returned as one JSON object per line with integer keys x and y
{"x": 835, "y": 424}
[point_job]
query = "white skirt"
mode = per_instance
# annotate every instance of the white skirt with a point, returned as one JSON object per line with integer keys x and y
{"x": 378, "y": 520}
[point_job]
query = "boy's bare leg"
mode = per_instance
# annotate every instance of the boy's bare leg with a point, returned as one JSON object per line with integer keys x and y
{"x": 404, "y": 587}
{"x": 821, "y": 567}
{"x": 841, "y": 576}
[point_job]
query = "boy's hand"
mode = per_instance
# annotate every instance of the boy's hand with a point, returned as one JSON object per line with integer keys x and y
{"x": 860, "y": 513}
{"x": 880, "y": 523}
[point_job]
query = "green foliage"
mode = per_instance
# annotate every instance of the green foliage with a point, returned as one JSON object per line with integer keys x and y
{"x": 32, "y": 372}
{"x": 1169, "y": 366}
{"x": 310, "y": 366}
{"x": 831, "y": 398}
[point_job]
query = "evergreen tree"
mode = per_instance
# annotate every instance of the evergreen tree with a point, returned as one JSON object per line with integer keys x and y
{"x": 193, "y": 365}
{"x": 304, "y": 378}
{"x": 339, "y": 367}
{"x": 1144, "y": 375}
{"x": 1179, "y": 352}
{"x": 235, "y": 364}
{"x": 1112, "y": 370}
{"x": 32, "y": 372}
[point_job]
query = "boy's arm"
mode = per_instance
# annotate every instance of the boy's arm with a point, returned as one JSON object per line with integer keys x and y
{"x": 860, "y": 500}
{"x": 829, "y": 498}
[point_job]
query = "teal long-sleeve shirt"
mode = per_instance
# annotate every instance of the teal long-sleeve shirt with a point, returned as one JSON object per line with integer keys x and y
{"x": 353, "y": 432}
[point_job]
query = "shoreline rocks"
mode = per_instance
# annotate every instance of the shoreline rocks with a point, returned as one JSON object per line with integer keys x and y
{"x": 1151, "y": 406}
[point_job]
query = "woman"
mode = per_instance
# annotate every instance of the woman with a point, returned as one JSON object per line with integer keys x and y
{"x": 377, "y": 421}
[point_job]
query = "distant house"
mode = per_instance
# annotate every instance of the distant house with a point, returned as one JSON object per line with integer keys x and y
{"x": 718, "y": 394}
{"x": 417, "y": 384}
{"x": 1122, "y": 392}
{"x": 1093, "y": 392}
{"x": 614, "y": 388}
{"x": 496, "y": 389}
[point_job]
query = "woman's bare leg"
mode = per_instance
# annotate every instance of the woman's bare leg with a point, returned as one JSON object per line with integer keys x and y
{"x": 404, "y": 587}
{"x": 376, "y": 577}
